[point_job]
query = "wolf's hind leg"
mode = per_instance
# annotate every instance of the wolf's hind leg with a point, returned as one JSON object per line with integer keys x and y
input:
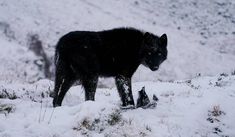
{"x": 90, "y": 84}
{"x": 64, "y": 79}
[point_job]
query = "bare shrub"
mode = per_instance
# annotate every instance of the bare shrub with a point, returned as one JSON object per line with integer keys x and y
{"x": 5, "y": 94}
{"x": 7, "y": 108}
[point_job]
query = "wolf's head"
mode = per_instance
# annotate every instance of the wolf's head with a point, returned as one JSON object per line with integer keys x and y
{"x": 154, "y": 50}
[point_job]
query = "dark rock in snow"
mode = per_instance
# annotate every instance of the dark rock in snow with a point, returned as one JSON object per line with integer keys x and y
{"x": 143, "y": 98}
{"x": 155, "y": 98}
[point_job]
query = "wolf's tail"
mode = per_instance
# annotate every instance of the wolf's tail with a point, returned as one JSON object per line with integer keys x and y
{"x": 58, "y": 51}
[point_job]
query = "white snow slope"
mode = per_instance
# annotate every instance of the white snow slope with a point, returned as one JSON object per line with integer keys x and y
{"x": 201, "y": 107}
{"x": 201, "y": 41}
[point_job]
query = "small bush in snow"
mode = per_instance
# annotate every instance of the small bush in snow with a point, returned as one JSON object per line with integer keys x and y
{"x": 214, "y": 114}
{"x": 114, "y": 118}
{"x": 214, "y": 117}
{"x": 216, "y": 111}
{"x": 224, "y": 74}
{"x": 6, "y": 108}
{"x": 4, "y": 94}
{"x": 86, "y": 123}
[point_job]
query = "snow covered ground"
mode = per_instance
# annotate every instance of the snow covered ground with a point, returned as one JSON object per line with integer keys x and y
{"x": 201, "y": 41}
{"x": 201, "y": 107}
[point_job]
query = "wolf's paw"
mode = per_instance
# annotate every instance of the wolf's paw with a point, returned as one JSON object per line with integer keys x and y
{"x": 127, "y": 107}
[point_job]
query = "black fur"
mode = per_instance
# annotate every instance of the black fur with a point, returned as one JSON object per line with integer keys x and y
{"x": 85, "y": 56}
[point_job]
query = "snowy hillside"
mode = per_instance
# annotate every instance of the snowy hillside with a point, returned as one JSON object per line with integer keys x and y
{"x": 201, "y": 38}
{"x": 201, "y": 33}
{"x": 201, "y": 107}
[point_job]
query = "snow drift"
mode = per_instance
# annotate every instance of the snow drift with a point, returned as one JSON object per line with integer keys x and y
{"x": 203, "y": 106}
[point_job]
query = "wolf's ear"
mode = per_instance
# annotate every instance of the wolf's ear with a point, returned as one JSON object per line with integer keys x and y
{"x": 148, "y": 39}
{"x": 163, "y": 40}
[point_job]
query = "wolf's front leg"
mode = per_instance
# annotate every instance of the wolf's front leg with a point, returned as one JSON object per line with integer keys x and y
{"x": 124, "y": 89}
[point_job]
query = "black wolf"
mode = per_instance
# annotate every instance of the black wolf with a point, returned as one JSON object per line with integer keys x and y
{"x": 85, "y": 56}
